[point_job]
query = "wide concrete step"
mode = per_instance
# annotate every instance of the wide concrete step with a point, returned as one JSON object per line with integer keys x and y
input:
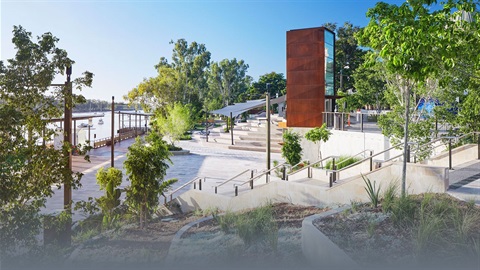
{"x": 257, "y": 144}
{"x": 254, "y": 148}
{"x": 258, "y": 138}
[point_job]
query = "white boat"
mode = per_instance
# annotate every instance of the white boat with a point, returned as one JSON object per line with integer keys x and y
{"x": 100, "y": 122}
{"x": 84, "y": 125}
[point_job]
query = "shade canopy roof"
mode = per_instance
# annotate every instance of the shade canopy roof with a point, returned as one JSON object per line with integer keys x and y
{"x": 240, "y": 108}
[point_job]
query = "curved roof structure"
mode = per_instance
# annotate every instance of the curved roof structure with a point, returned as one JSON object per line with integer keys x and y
{"x": 240, "y": 108}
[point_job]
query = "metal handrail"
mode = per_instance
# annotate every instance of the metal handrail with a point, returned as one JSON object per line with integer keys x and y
{"x": 309, "y": 165}
{"x": 182, "y": 186}
{"x": 226, "y": 181}
{"x": 301, "y": 162}
{"x": 261, "y": 174}
{"x": 345, "y": 160}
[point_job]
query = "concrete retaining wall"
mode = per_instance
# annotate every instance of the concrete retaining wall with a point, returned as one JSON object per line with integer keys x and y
{"x": 420, "y": 178}
{"x": 460, "y": 155}
{"x": 346, "y": 143}
{"x": 319, "y": 250}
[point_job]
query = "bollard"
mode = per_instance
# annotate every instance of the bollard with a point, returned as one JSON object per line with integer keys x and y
{"x": 334, "y": 173}
{"x": 371, "y": 161}
{"x": 450, "y": 154}
{"x": 478, "y": 145}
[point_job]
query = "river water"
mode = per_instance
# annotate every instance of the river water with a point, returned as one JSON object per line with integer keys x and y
{"x": 100, "y": 131}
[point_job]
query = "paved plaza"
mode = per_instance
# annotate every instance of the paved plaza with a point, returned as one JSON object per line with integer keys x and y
{"x": 215, "y": 162}
{"x": 211, "y": 160}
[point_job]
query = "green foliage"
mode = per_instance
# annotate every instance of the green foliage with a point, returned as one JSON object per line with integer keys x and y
{"x": 146, "y": 166}
{"x": 276, "y": 84}
{"x": 256, "y": 225}
{"x": 403, "y": 211}
{"x": 29, "y": 172}
{"x": 109, "y": 180}
{"x": 176, "y": 122}
{"x": 183, "y": 80}
{"x": 389, "y": 196}
{"x": 318, "y": 134}
{"x": 341, "y": 162}
{"x": 291, "y": 149}
{"x": 372, "y": 191}
{"x": 228, "y": 80}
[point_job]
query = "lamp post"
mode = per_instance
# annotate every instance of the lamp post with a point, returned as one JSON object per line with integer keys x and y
{"x": 67, "y": 137}
{"x": 112, "y": 140}
{"x": 267, "y": 99}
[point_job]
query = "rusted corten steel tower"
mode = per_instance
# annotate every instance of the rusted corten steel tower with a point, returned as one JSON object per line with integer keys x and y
{"x": 310, "y": 76}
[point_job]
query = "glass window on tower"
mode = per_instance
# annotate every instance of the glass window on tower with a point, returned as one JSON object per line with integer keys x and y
{"x": 329, "y": 63}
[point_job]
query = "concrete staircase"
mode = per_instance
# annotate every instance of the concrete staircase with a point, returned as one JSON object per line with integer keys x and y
{"x": 315, "y": 190}
{"x": 249, "y": 136}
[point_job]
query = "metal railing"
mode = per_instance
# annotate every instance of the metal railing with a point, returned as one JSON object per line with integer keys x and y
{"x": 447, "y": 144}
{"x": 262, "y": 173}
{"x": 309, "y": 167}
{"x": 182, "y": 186}
{"x": 231, "y": 179}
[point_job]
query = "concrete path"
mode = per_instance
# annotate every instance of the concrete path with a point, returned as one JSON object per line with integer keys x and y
{"x": 465, "y": 182}
{"x": 212, "y": 160}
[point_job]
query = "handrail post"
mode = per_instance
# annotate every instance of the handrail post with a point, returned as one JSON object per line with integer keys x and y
{"x": 236, "y": 191}
{"x": 450, "y": 154}
{"x": 309, "y": 172}
{"x": 371, "y": 161}
{"x": 331, "y": 179}
{"x": 361, "y": 122}
{"x": 284, "y": 170}
{"x": 215, "y": 189}
{"x": 251, "y": 183}
{"x": 194, "y": 185}
{"x": 251, "y": 173}
{"x": 171, "y": 197}
{"x": 478, "y": 145}
{"x": 334, "y": 173}
{"x": 199, "y": 184}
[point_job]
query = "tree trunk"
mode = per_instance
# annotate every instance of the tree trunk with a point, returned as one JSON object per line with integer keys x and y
{"x": 405, "y": 138}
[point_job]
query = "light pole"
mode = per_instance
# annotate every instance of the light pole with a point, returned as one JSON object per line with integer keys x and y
{"x": 67, "y": 137}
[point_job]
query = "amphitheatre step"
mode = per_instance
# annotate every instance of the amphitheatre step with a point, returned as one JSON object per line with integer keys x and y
{"x": 258, "y": 138}
{"x": 257, "y": 144}
{"x": 252, "y": 148}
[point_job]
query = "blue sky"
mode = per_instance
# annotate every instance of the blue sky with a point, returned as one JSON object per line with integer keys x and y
{"x": 121, "y": 41}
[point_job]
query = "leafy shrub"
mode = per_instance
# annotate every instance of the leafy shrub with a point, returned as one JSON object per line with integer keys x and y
{"x": 341, "y": 162}
{"x": 291, "y": 149}
{"x": 389, "y": 197}
{"x": 256, "y": 225}
{"x": 372, "y": 191}
{"x": 172, "y": 147}
{"x": 185, "y": 137}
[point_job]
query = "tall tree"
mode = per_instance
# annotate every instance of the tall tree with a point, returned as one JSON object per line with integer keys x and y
{"x": 146, "y": 166}
{"x": 274, "y": 82}
{"x": 410, "y": 40}
{"x": 228, "y": 79}
{"x": 183, "y": 80}
{"x": 28, "y": 169}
